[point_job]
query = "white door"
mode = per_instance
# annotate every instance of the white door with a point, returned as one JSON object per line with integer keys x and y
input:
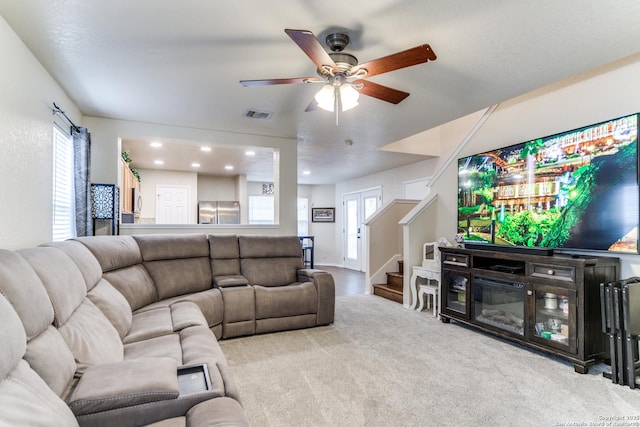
{"x": 357, "y": 208}
{"x": 172, "y": 206}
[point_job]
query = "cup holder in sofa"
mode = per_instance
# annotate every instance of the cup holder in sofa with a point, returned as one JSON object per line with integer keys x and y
{"x": 193, "y": 379}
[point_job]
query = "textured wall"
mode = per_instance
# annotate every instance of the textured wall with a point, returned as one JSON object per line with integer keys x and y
{"x": 27, "y": 92}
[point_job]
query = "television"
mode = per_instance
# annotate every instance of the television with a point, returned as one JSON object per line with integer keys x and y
{"x": 573, "y": 190}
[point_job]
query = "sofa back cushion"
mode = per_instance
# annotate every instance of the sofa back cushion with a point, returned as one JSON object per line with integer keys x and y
{"x": 225, "y": 255}
{"x": 113, "y": 252}
{"x": 87, "y": 332}
{"x": 177, "y": 263}
{"x": 120, "y": 261}
{"x": 46, "y": 351}
{"x": 12, "y": 337}
{"x": 61, "y": 278}
{"x": 114, "y": 306}
{"x": 93, "y": 340}
{"x": 86, "y": 262}
{"x": 20, "y": 284}
{"x": 26, "y": 399}
{"x": 135, "y": 284}
{"x": 270, "y": 260}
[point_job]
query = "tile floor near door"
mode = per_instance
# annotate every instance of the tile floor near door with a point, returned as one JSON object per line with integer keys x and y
{"x": 348, "y": 282}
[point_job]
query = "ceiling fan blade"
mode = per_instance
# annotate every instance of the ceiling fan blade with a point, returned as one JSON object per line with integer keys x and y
{"x": 403, "y": 59}
{"x": 313, "y": 105}
{"x": 312, "y": 47}
{"x": 268, "y": 82}
{"x": 384, "y": 93}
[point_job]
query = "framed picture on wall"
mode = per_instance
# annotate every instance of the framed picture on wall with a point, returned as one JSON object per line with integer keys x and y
{"x": 323, "y": 215}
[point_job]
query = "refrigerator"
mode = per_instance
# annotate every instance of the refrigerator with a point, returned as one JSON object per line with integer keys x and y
{"x": 218, "y": 212}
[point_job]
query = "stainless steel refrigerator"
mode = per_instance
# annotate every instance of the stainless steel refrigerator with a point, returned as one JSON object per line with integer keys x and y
{"x": 218, "y": 212}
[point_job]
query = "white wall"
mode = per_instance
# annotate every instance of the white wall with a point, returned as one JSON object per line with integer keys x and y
{"x": 600, "y": 95}
{"x": 323, "y": 196}
{"x": 27, "y": 92}
{"x": 211, "y": 187}
{"x": 106, "y": 135}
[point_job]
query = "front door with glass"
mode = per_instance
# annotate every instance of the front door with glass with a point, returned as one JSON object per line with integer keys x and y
{"x": 358, "y": 207}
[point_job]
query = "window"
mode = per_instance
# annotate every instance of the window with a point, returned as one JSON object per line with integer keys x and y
{"x": 303, "y": 216}
{"x": 261, "y": 210}
{"x": 64, "y": 223}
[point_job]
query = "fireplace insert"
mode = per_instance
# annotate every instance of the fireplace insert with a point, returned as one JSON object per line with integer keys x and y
{"x": 499, "y": 304}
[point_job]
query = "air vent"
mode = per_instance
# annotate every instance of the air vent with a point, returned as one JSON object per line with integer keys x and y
{"x": 255, "y": 114}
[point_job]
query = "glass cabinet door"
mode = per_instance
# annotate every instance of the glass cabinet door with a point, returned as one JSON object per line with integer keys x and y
{"x": 553, "y": 321}
{"x": 455, "y": 287}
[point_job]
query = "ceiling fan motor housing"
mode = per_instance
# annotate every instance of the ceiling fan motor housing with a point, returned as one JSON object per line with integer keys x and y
{"x": 337, "y": 41}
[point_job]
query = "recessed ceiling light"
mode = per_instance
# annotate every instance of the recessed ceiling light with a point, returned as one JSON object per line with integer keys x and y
{"x": 229, "y": 167}
{"x": 207, "y": 149}
{"x": 250, "y": 153}
{"x": 306, "y": 172}
{"x": 195, "y": 165}
{"x": 158, "y": 162}
{"x": 156, "y": 144}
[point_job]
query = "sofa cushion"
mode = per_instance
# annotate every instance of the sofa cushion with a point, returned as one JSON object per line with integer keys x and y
{"x": 93, "y": 340}
{"x": 61, "y": 278}
{"x": 161, "y": 346}
{"x": 27, "y": 401}
{"x": 164, "y": 320}
{"x": 46, "y": 351}
{"x": 225, "y": 253}
{"x": 51, "y": 358}
{"x": 113, "y": 252}
{"x": 156, "y": 247}
{"x": 20, "y": 284}
{"x": 150, "y": 324}
{"x": 180, "y": 276}
{"x": 271, "y": 271}
{"x": 269, "y": 246}
{"x": 113, "y": 304}
{"x": 26, "y": 398}
{"x": 125, "y": 384}
{"x": 209, "y": 302}
{"x": 270, "y": 260}
{"x": 83, "y": 258}
{"x": 283, "y": 301}
{"x": 135, "y": 284}
{"x": 220, "y": 412}
{"x": 12, "y": 337}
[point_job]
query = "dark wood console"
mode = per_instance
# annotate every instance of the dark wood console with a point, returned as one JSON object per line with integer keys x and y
{"x": 549, "y": 303}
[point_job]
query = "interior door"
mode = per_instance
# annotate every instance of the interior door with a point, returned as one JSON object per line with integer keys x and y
{"x": 358, "y": 207}
{"x": 172, "y": 205}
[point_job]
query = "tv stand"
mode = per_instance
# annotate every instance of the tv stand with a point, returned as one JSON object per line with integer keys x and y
{"x": 549, "y": 303}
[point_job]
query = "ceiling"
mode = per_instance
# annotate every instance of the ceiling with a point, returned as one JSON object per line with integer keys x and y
{"x": 178, "y": 62}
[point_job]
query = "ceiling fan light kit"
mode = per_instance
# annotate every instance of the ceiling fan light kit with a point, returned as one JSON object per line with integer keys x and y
{"x": 342, "y": 76}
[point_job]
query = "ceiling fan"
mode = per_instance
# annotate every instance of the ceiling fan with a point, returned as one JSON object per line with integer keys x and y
{"x": 343, "y": 77}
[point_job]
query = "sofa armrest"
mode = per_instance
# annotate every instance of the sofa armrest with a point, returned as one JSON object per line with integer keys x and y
{"x": 141, "y": 391}
{"x": 124, "y": 384}
{"x": 325, "y": 286}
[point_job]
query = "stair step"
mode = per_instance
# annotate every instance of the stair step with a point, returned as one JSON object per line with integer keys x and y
{"x": 395, "y": 279}
{"x": 389, "y": 292}
{"x": 400, "y": 266}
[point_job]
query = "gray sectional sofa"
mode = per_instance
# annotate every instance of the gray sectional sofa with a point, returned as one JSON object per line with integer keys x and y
{"x": 123, "y": 330}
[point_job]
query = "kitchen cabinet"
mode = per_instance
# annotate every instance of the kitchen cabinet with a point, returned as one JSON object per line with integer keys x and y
{"x": 130, "y": 185}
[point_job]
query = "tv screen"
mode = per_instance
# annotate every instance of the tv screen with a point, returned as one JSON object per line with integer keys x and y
{"x": 573, "y": 190}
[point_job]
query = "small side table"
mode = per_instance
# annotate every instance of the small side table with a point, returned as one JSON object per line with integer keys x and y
{"x": 419, "y": 293}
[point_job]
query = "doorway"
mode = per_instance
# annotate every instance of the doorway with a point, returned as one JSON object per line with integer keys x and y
{"x": 172, "y": 205}
{"x": 358, "y": 207}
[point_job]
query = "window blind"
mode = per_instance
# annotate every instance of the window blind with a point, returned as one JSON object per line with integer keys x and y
{"x": 63, "y": 226}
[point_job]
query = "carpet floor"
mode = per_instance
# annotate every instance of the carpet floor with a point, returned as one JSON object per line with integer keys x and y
{"x": 380, "y": 364}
